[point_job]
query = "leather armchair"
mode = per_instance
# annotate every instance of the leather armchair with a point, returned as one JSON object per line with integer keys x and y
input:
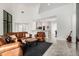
{"x": 40, "y": 36}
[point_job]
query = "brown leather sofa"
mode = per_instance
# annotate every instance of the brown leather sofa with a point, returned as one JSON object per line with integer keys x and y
{"x": 19, "y": 35}
{"x": 40, "y": 36}
{"x": 11, "y": 49}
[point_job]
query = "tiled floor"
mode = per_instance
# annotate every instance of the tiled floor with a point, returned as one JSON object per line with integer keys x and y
{"x": 61, "y": 48}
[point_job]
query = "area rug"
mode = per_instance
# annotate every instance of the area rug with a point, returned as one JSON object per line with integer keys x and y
{"x": 37, "y": 50}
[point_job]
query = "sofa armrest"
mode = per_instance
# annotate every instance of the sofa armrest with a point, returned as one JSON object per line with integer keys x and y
{"x": 8, "y": 47}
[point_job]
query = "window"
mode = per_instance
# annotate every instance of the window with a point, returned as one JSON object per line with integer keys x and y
{"x": 21, "y": 27}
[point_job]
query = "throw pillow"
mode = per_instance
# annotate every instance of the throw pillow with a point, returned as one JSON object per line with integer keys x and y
{"x": 8, "y": 39}
{"x": 14, "y": 38}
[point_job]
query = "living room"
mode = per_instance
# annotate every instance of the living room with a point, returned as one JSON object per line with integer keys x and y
{"x": 51, "y": 21}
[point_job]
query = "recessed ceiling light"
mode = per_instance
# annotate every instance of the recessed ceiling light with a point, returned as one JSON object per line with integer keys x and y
{"x": 48, "y": 4}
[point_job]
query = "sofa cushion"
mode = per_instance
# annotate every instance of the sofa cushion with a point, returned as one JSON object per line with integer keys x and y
{"x": 27, "y": 35}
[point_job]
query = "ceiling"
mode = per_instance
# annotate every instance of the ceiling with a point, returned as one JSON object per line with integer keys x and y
{"x": 42, "y": 7}
{"x": 48, "y": 6}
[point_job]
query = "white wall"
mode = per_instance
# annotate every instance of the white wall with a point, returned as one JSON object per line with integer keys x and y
{"x": 1, "y": 21}
{"x": 7, "y": 7}
{"x": 53, "y": 29}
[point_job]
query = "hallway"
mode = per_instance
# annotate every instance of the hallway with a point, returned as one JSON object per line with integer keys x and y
{"x": 61, "y": 48}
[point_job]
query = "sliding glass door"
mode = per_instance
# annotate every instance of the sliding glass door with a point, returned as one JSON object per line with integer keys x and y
{"x": 7, "y": 22}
